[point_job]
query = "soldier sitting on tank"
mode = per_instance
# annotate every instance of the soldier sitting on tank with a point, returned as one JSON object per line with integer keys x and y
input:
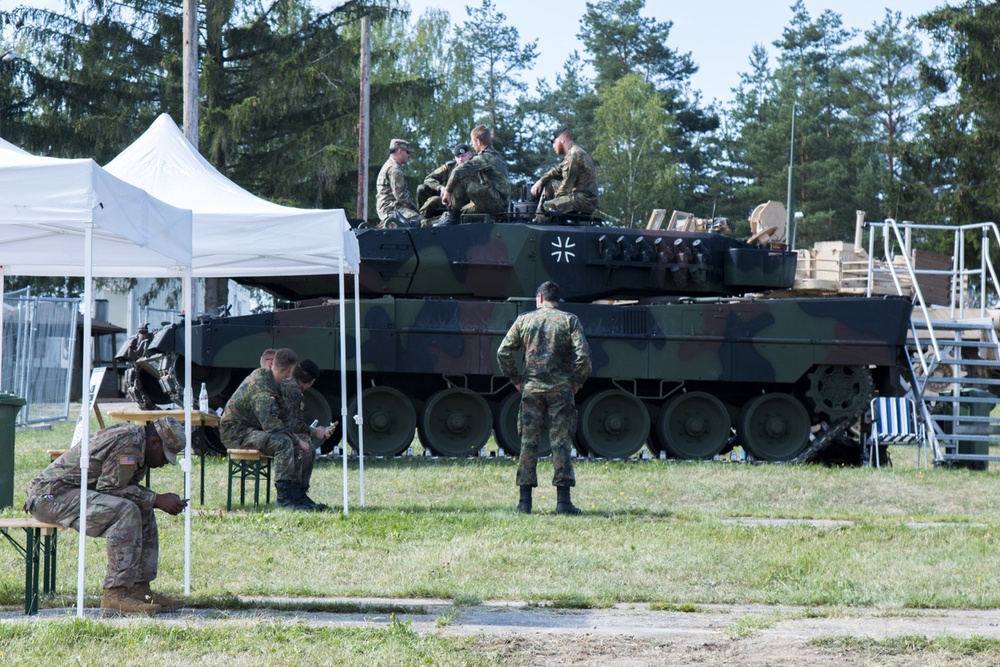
{"x": 429, "y": 192}
{"x": 252, "y": 420}
{"x": 392, "y": 199}
{"x": 571, "y": 186}
{"x": 293, "y": 405}
{"x": 480, "y": 185}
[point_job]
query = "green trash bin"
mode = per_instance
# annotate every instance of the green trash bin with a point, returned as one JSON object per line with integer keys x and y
{"x": 981, "y": 408}
{"x": 9, "y": 407}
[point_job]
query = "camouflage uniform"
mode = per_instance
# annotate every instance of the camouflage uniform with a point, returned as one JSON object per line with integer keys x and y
{"x": 391, "y": 193}
{"x": 429, "y": 192}
{"x": 571, "y": 186}
{"x": 293, "y": 413}
{"x": 118, "y": 508}
{"x": 556, "y": 364}
{"x": 480, "y": 185}
{"x": 253, "y": 420}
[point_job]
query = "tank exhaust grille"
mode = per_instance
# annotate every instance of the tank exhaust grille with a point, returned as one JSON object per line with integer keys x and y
{"x": 633, "y": 323}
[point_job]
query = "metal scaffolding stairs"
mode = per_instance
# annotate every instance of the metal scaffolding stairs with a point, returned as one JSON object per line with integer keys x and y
{"x": 953, "y": 349}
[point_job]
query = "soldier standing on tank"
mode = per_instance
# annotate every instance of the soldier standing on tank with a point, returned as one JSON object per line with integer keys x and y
{"x": 119, "y": 509}
{"x": 481, "y": 185}
{"x": 429, "y": 192}
{"x": 391, "y": 195}
{"x": 293, "y": 405}
{"x": 556, "y": 364}
{"x": 253, "y": 420}
{"x": 570, "y": 186}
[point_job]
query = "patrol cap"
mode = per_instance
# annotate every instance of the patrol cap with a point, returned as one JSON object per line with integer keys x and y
{"x": 396, "y": 144}
{"x": 462, "y": 149}
{"x": 171, "y": 435}
{"x": 555, "y": 133}
{"x": 310, "y": 367}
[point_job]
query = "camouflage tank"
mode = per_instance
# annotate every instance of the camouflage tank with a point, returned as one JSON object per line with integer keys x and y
{"x": 684, "y": 360}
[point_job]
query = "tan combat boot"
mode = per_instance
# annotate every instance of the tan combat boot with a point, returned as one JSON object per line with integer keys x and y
{"x": 141, "y": 591}
{"x": 121, "y": 600}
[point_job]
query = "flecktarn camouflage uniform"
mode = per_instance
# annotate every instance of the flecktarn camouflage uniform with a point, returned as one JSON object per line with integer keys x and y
{"x": 481, "y": 184}
{"x": 118, "y": 508}
{"x": 253, "y": 420}
{"x": 293, "y": 413}
{"x": 429, "y": 192}
{"x": 571, "y": 186}
{"x": 556, "y": 363}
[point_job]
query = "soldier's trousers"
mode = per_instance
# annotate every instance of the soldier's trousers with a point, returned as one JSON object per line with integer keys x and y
{"x": 281, "y": 447}
{"x": 307, "y": 460}
{"x": 555, "y": 411}
{"x": 473, "y": 196}
{"x": 575, "y": 202}
{"x": 133, "y": 541}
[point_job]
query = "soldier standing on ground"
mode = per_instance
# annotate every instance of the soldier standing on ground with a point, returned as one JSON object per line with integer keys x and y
{"x": 570, "y": 186}
{"x": 556, "y": 364}
{"x": 267, "y": 357}
{"x": 429, "y": 192}
{"x": 252, "y": 420}
{"x": 293, "y": 403}
{"x": 391, "y": 195}
{"x": 481, "y": 185}
{"x": 119, "y": 509}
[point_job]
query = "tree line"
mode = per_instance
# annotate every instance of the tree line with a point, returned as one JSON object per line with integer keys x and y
{"x": 899, "y": 119}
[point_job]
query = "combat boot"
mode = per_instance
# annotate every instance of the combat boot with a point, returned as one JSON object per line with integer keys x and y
{"x": 120, "y": 599}
{"x": 290, "y": 497}
{"x": 563, "y": 504}
{"x": 141, "y": 591}
{"x": 317, "y": 507}
{"x": 524, "y": 507}
{"x": 448, "y": 218}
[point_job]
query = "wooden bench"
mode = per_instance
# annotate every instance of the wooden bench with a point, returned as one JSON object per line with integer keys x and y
{"x": 55, "y": 453}
{"x": 34, "y": 531}
{"x": 243, "y": 463}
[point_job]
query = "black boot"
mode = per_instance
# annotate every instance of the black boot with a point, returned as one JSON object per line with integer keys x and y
{"x": 563, "y": 504}
{"x": 317, "y": 507}
{"x": 524, "y": 507}
{"x": 449, "y": 218}
{"x": 290, "y": 497}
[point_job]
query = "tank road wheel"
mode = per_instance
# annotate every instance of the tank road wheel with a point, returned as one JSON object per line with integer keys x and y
{"x": 390, "y": 421}
{"x": 774, "y": 427}
{"x": 613, "y": 424}
{"x": 455, "y": 422}
{"x": 505, "y": 427}
{"x": 840, "y": 391}
{"x": 694, "y": 425}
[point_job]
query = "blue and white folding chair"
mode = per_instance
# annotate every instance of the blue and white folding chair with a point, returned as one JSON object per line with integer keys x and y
{"x": 894, "y": 422}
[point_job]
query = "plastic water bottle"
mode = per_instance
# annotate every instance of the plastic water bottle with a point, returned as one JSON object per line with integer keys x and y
{"x": 203, "y": 398}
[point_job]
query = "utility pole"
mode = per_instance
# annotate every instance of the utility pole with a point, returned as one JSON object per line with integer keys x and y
{"x": 190, "y": 57}
{"x": 366, "y": 65}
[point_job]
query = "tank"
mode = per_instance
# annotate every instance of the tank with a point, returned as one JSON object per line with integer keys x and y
{"x": 690, "y": 358}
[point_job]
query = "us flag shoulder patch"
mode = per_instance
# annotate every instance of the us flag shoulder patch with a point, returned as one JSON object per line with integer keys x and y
{"x": 127, "y": 460}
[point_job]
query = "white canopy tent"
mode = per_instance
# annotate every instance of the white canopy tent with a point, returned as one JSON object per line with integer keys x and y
{"x": 237, "y": 234}
{"x": 71, "y": 218}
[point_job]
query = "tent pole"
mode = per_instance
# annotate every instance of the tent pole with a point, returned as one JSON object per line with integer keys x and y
{"x": 343, "y": 377}
{"x": 88, "y": 287}
{"x": 357, "y": 374}
{"x": 188, "y": 399}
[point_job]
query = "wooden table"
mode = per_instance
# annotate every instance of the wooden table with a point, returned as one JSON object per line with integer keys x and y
{"x": 198, "y": 421}
{"x": 34, "y": 531}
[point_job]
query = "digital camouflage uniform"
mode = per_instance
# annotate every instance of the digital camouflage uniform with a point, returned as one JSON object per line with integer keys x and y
{"x": 293, "y": 413}
{"x": 571, "y": 186}
{"x": 480, "y": 185}
{"x": 118, "y": 508}
{"x": 429, "y": 192}
{"x": 556, "y": 364}
{"x": 391, "y": 193}
{"x": 253, "y": 420}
